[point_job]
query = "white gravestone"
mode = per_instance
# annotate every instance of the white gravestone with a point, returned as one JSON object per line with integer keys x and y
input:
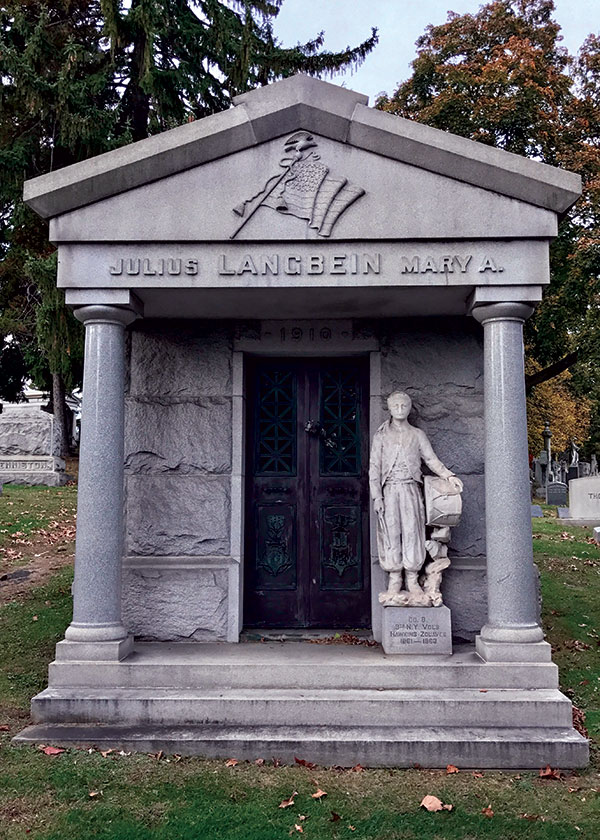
{"x": 29, "y": 447}
{"x": 584, "y": 498}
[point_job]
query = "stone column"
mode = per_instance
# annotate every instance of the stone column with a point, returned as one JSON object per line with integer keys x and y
{"x": 512, "y": 632}
{"x": 96, "y": 631}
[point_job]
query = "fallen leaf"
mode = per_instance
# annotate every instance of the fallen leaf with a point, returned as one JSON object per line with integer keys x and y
{"x": 335, "y": 817}
{"x": 477, "y": 775}
{"x": 432, "y": 803}
{"x": 4, "y": 727}
{"x": 532, "y": 817}
{"x": 299, "y": 828}
{"x": 287, "y": 802}
{"x": 451, "y": 769}
{"x": 487, "y": 812}
{"x": 483, "y": 691}
{"x": 157, "y": 755}
{"x": 231, "y": 762}
{"x": 95, "y": 793}
{"x": 276, "y": 762}
{"x": 304, "y": 763}
{"x": 358, "y": 768}
{"x": 352, "y": 828}
{"x": 104, "y": 753}
{"x": 51, "y": 750}
{"x": 548, "y": 773}
{"x": 35, "y": 618}
{"x": 259, "y": 762}
{"x": 319, "y": 794}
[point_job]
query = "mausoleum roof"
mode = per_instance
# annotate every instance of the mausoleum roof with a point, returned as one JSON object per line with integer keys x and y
{"x": 279, "y": 109}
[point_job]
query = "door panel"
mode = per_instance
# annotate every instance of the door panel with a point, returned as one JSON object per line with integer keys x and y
{"x": 307, "y": 494}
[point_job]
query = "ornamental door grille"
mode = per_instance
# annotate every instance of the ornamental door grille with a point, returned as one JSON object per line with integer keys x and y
{"x": 306, "y": 552}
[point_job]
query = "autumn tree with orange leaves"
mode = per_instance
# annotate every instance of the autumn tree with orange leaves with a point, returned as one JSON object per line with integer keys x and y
{"x": 501, "y": 77}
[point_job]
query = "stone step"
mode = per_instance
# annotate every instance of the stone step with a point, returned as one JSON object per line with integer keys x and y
{"x": 309, "y": 666}
{"x": 331, "y": 707}
{"x": 372, "y": 746}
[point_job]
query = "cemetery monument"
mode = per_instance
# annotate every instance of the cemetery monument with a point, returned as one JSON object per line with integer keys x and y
{"x": 254, "y": 285}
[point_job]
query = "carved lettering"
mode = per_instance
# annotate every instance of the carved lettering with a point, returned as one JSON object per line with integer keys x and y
{"x": 463, "y": 262}
{"x": 223, "y": 267}
{"x": 293, "y": 264}
{"x": 117, "y": 268}
{"x": 409, "y": 265}
{"x": 338, "y": 264}
{"x": 247, "y": 266}
{"x": 315, "y": 264}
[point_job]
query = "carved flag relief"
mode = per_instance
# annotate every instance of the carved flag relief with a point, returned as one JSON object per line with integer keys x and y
{"x": 305, "y": 189}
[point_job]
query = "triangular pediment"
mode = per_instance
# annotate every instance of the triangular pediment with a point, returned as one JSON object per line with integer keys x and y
{"x": 377, "y": 155}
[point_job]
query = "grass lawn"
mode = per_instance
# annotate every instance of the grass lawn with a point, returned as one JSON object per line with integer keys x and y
{"x": 78, "y": 794}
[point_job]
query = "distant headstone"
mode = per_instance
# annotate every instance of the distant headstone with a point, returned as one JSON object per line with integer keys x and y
{"x": 536, "y": 511}
{"x": 421, "y": 630}
{"x": 556, "y": 493}
{"x": 584, "y": 498}
{"x": 597, "y": 534}
{"x": 29, "y": 447}
{"x": 573, "y": 472}
{"x": 563, "y": 513}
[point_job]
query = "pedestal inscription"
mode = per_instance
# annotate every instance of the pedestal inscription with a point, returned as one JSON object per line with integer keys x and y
{"x": 421, "y": 630}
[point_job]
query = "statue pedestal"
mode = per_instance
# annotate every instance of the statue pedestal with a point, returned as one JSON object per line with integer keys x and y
{"x": 420, "y": 630}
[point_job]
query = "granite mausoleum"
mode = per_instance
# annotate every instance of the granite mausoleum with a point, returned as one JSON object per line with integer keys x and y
{"x": 253, "y": 286}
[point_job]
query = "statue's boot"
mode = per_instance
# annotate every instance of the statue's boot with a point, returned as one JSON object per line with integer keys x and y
{"x": 412, "y": 582}
{"x": 394, "y": 583}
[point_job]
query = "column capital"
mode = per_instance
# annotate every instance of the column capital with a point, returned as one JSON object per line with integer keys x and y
{"x": 101, "y": 314}
{"x": 502, "y": 311}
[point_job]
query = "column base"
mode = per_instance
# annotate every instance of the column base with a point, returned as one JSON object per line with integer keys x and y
{"x": 110, "y": 651}
{"x": 513, "y": 651}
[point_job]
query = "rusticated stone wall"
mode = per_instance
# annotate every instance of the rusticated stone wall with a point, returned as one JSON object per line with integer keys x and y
{"x": 177, "y": 480}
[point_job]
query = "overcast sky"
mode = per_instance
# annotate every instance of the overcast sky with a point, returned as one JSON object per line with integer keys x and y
{"x": 400, "y": 22}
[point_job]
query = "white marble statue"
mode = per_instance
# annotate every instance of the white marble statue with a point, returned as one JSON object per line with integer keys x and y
{"x": 396, "y": 480}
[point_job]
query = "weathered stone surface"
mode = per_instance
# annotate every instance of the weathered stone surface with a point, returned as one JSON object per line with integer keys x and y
{"x": 468, "y": 538}
{"x": 175, "y": 604}
{"x": 177, "y": 515}
{"x": 162, "y": 435}
{"x": 465, "y": 593}
{"x": 182, "y": 360}
{"x": 26, "y": 431}
{"x": 441, "y": 369}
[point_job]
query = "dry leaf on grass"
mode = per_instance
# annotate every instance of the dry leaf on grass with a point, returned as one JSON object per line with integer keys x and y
{"x": 95, "y": 793}
{"x": 259, "y": 762}
{"x": 358, "y": 768}
{"x": 548, "y": 773}
{"x": 231, "y": 762}
{"x": 276, "y": 762}
{"x": 288, "y": 802}
{"x": 303, "y": 763}
{"x": 50, "y": 750}
{"x": 157, "y": 756}
{"x": 299, "y": 828}
{"x": 432, "y": 803}
{"x": 532, "y": 817}
{"x": 4, "y": 727}
{"x": 487, "y": 812}
{"x": 104, "y": 753}
{"x": 319, "y": 794}
{"x": 477, "y": 775}
{"x": 451, "y": 769}
{"x": 352, "y": 828}
{"x": 335, "y": 817}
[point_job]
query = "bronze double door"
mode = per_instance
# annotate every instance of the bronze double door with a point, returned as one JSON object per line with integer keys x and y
{"x": 306, "y": 547}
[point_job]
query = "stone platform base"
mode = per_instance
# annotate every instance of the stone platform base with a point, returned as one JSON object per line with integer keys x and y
{"x": 256, "y": 700}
